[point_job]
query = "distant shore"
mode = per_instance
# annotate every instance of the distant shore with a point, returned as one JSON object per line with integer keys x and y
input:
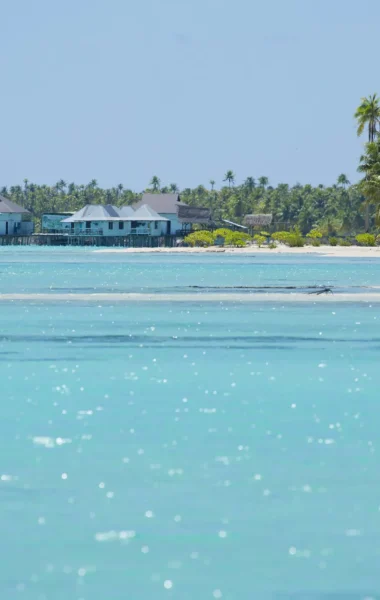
{"x": 332, "y": 251}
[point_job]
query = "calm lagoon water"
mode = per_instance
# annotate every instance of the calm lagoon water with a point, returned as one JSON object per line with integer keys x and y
{"x": 186, "y": 451}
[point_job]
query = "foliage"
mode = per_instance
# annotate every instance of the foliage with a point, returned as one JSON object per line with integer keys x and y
{"x": 199, "y": 238}
{"x": 272, "y": 245}
{"x": 342, "y": 242}
{"x": 333, "y": 241}
{"x": 337, "y": 208}
{"x": 236, "y": 238}
{"x": 295, "y": 240}
{"x": 259, "y": 239}
{"x": 368, "y": 115}
{"x": 280, "y": 236}
{"x": 232, "y": 238}
{"x": 265, "y": 233}
{"x": 366, "y": 239}
{"x": 314, "y": 234}
{"x": 223, "y": 232}
{"x": 315, "y": 242}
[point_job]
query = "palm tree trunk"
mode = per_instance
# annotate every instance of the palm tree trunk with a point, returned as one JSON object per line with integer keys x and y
{"x": 366, "y": 218}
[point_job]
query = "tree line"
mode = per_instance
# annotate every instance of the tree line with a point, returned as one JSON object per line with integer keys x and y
{"x": 341, "y": 208}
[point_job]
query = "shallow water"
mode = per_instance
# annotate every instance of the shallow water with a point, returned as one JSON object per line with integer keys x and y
{"x": 187, "y": 450}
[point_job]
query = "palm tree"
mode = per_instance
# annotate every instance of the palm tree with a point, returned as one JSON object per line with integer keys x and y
{"x": 343, "y": 180}
{"x": 250, "y": 183}
{"x": 230, "y": 177}
{"x": 212, "y": 183}
{"x": 263, "y": 181}
{"x": 368, "y": 115}
{"x": 155, "y": 182}
{"x": 370, "y": 184}
{"x": 174, "y": 189}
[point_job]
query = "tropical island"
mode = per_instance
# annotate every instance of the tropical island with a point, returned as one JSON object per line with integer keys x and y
{"x": 340, "y": 214}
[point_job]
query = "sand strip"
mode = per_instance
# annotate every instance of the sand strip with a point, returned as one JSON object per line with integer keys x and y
{"x": 328, "y": 251}
{"x": 198, "y": 297}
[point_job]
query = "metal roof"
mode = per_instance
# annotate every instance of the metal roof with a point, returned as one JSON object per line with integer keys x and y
{"x": 146, "y": 213}
{"x": 161, "y": 203}
{"x": 95, "y": 212}
{"x": 234, "y": 224}
{"x": 125, "y": 211}
{"x": 9, "y": 207}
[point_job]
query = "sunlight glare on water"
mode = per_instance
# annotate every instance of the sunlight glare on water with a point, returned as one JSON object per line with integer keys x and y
{"x": 187, "y": 450}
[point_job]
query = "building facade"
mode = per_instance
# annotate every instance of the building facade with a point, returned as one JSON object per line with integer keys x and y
{"x": 111, "y": 221}
{"x": 14, "y": 219}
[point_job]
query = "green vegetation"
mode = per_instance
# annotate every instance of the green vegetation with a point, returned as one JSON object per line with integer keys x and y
{"x": 259, "y": 239}
{"x": 199, "y": 238}
{"x": 333, "y": 241}
{"x": 336, "y": 207}
{"x": 208, "y": 238}
{"x": 366, "y": 239}
{"x": 340, "y": 209}
{"x": 315, "y": 236}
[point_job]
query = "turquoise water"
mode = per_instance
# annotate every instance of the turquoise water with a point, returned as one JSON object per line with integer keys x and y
{"x": 187, "y": 450}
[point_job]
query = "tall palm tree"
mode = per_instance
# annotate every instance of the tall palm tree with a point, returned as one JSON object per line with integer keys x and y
{"x": 370, "y": 184}
{"x": 174, "y": 189}
{"x": 343, "y": 180}
{"x": 263, "y": 181}
{"x": 250, "y": 183}
{"x": 155, "y": 182}
{"x": 230, "y": 177}
{"x": 368, "y": 115}
{"x": 212, "y": 183}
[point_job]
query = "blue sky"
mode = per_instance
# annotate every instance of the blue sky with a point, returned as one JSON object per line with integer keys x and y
{"x": 185, "y": 89}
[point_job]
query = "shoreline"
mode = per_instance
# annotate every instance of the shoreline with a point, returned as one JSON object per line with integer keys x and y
{"x": 327, "y": 251}
{"x": 221, "y": 297}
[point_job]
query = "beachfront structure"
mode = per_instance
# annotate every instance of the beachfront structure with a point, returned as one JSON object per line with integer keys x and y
{"x": 14, "y": 219}
{"x": 177, "y": 214}
{"x": 54, "y": 222}
{"x": 95, "y": 219}
{"x": 111, "y": 221}
{"x": 258, "y": 220}
{"x": 166, "y": 205}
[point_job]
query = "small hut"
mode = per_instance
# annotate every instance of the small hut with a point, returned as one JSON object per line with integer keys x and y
{"x": 258, "y": 220}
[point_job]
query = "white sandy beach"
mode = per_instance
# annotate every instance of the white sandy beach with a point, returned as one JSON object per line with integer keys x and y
{"x": 222, "y": 297}
{"x": 332, "y": 251}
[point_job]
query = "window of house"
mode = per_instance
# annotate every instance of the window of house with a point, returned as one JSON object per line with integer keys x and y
{"x": 121, "y": 224}
{"x": 88, "y": 224}
{"x": 110, "y": 225}
{"x": 156, "y": 224}
{"x": 134, "y": 224}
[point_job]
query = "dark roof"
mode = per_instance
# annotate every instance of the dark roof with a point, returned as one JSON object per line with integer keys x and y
{"x": 161, "y": 203}
{"x": 7, "y": 206}
{"x": 193, "y": 214}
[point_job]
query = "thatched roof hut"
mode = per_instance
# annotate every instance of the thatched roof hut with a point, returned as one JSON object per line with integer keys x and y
{"x": 193, "y": 214}
{"x": 258, "y": 220}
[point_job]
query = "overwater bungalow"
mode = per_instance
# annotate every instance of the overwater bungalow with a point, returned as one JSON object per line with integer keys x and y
{"x": 111, "y": 221}
{"x": 14, "y": 219}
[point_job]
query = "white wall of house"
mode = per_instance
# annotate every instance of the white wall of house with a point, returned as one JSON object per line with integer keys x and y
{"x": 175, "y": 223}
{"x": 104, "y": 228}
{"x": 16, "y": 225}
{"x": 129, "y": 227}
{"x": 152, "y": 228}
